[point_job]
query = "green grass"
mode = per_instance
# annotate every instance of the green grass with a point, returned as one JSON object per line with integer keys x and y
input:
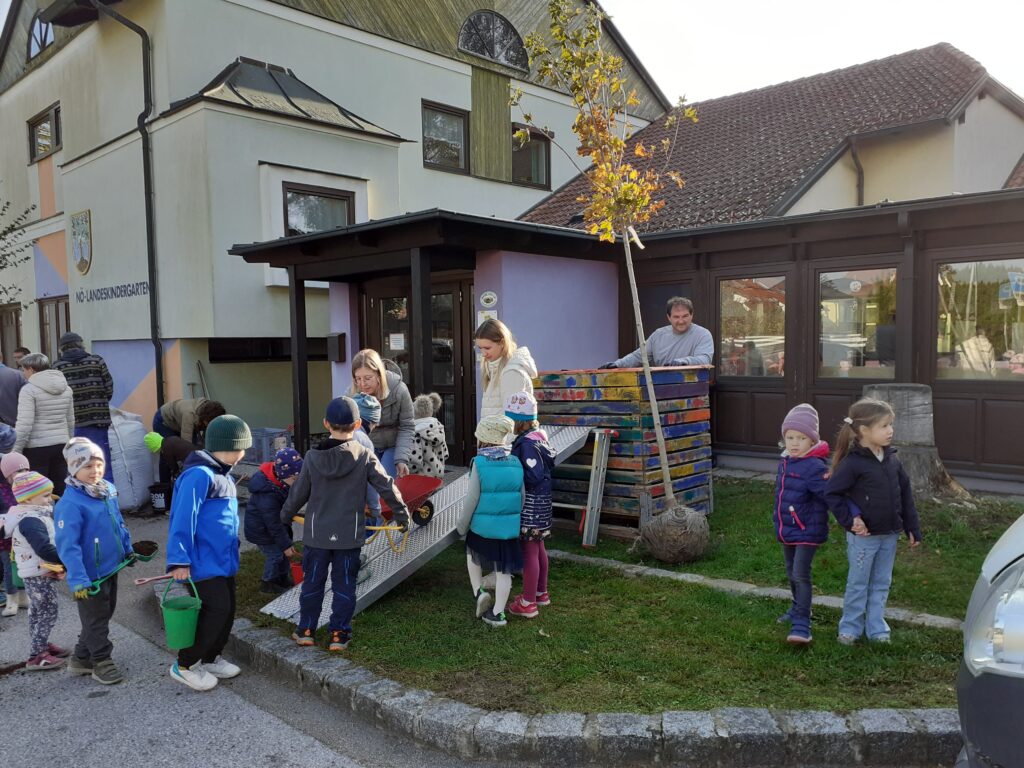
{"x": 612, "y": 643}
{"x": 936, "y": 577}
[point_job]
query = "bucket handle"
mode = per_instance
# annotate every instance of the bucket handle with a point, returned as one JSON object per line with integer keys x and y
{"x": 163, "y": 599}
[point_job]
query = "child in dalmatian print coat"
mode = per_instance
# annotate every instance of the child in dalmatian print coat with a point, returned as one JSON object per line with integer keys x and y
{"x": 429, "y": 446}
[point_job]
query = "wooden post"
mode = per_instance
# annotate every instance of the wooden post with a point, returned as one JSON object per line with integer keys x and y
{"x": 300, "y": 370}
{"x": 422, "y": 338}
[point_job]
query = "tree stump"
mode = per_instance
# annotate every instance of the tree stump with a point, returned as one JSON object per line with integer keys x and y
{"x": 915, "y": 439}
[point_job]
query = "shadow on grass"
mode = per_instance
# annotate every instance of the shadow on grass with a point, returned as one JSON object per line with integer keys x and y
{"x": 612, "y": 643}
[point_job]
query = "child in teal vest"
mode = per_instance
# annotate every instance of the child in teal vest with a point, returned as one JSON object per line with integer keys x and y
{"x": 490, "y": 517}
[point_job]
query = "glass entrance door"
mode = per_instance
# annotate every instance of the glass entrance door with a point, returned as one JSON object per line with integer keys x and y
{"x": 387, "y": 316}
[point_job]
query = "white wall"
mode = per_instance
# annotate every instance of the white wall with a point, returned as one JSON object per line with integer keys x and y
{"x": 837, "y": 188}
{"x": 987, "y": 146}
{"x": 913, "y": 164}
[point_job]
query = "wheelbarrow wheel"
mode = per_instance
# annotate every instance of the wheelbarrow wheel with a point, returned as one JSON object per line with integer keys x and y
{"x": 424, "y": 513}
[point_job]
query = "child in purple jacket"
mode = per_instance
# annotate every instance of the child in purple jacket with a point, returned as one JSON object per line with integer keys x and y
{"x": 801, "y": 514}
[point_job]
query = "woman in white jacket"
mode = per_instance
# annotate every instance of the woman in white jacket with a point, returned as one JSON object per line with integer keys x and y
{"x": 46, "y": 419}
{"x": 506, "y": 368}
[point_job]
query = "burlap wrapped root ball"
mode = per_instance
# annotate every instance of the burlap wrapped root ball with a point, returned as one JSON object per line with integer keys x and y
{"x": 678, "y": 535}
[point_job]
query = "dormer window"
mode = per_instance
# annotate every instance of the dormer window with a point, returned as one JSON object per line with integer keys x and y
{"x": 491, "y": 36}
{"x": 40, "y": 37}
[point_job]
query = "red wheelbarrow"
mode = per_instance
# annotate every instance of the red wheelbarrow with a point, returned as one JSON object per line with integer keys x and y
{"x": 416, "y": 490}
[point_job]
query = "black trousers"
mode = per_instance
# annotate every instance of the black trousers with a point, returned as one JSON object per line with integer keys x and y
{"x": 48, "y": 460}
{"x": 94, "y": 612}
{"x": 216, "y": 617}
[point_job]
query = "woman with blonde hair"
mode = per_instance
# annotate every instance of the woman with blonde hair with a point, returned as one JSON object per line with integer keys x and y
{"x": 506, "y": 367}
{"x": 393, "y": 436}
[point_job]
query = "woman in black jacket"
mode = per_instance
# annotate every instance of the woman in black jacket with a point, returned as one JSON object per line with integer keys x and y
{"x": 869, "y": 493}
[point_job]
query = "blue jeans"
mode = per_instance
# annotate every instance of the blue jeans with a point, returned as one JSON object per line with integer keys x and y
{"x": 276, "y": 567}
{"x": 798, "y": 570}
{"x": 867, "y": 584}
{"x": 99, "y": 436}
{"x": 344, "y": 565}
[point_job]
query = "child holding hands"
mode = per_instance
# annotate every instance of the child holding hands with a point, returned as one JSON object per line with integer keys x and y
{"x": 30, "y": 523}
{"x": 869, "y": 494}
{"x": 490, "y": 517}
{"x": 801, "y": 515}
{"x": 93, "y": 541}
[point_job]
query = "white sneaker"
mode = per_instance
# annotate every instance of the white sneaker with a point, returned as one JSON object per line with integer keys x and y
{"x": 11, "y": 609}
{"x": 195, "y": 677}
{"x": 222, "y": 668}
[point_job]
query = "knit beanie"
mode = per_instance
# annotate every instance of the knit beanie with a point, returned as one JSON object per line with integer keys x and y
{"x": 425, "y": 406}
{"x": 11, "y": 463}
{"x": 804, "y": 419}
{"x": 70, "y": 339}
{"x": 521, "y": 406}
{"x": 228, "y": 433}
{"x": 369, "y": 408}
{"x": 494, "y": 430}
{"x": 342, "y": 411}
{"x": 287, "y": 463}
{"x": 80, "y": 451}
{"x": 29, "y": 484}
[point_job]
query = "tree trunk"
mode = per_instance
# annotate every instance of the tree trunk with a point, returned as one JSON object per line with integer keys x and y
{"x": 914, "y": 438}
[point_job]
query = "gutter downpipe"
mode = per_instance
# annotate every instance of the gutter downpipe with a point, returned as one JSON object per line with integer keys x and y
{"x": 860, "y": 171}
{"x": 147, "y": 180}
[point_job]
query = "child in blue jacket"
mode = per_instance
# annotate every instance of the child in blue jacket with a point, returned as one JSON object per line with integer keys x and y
{"x": 202, "y": 547}
{"x": 801, "y": 515}
{"x": 268, "y": 490}
{"x": 93, "y": 542}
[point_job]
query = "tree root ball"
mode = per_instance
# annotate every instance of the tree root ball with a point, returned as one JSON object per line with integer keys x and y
{"x": 677, "y": 535}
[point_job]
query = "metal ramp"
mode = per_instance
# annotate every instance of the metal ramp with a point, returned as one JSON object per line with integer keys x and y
{"x": 388, "y": 569}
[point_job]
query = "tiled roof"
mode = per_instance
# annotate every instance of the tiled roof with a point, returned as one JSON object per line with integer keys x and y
{"x": 749, "y": 152}
{"x": 1016, "y": 176}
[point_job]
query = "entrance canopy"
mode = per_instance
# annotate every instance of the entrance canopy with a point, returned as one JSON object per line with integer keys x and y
{"x": 413, "y": 245}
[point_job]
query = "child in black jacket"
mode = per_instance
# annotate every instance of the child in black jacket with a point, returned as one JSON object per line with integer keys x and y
{"x": 869, "y": 494}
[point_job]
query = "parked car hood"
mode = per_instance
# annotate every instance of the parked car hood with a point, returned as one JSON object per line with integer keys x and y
{"x": 1006, "y": 551}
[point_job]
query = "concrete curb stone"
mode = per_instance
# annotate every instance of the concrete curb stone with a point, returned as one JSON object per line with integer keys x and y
{"x": 728, "y": 737}
{"x": 752, "y": 737}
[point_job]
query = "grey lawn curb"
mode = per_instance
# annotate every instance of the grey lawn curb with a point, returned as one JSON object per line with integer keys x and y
{"x": 721, "y": 738}
{"x": 748, "y": 590}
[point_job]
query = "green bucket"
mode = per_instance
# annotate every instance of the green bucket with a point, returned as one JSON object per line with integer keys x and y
{"x": 15, "y": 578}
{"x": 181, "y": 614}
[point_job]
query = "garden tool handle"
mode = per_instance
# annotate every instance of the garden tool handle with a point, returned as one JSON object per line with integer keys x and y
{"x": 148, "y": 579}
{"x": 95, "y": 588}
{"x": 300, "y": 519}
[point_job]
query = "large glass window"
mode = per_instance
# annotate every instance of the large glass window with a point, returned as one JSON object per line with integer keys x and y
{"x": 445, "y": 138}
{"x": 492, "y": 36}
{"x": 981, "y": 320}
{"x": 858, "y": 324}
{"x": 40, "y": 37}
{"x": 315, "y": 209}
{"x": 753, "y": 327}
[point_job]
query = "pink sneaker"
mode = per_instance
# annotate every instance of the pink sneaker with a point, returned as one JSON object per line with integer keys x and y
{"x": 519, "y": 607}
{"x": 44, "y": 660}
{"x": 56, "y": 650}
{"x": 543, "y": 598}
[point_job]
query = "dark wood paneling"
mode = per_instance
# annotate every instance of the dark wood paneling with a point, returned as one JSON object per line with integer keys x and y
{"x": 731, "y": 419}
{"x": 768, "y": 409}
{"x": 955, "y": 427}
{"x": 832, "y": 409}
{"x": 1002, "y": 432}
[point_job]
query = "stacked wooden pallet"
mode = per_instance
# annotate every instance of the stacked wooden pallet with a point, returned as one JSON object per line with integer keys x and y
{"x": 617, "y": 399}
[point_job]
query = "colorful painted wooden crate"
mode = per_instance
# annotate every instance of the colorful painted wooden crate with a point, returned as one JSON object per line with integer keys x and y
{"x": 617, "y": 399}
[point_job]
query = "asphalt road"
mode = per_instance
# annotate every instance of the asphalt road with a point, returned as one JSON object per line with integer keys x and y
{"x": 52, "y": 719}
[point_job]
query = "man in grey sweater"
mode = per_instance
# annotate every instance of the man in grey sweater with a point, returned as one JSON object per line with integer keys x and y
{"x": 11, "y": 382}
{"x": 682, "y": 342}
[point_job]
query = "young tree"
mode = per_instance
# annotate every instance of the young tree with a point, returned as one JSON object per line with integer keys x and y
{"x": 624, "y": 178}
{"x": 12, "y": 249}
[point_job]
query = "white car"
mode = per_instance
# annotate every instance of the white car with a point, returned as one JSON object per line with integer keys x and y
{"x": 990, "y": 687}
